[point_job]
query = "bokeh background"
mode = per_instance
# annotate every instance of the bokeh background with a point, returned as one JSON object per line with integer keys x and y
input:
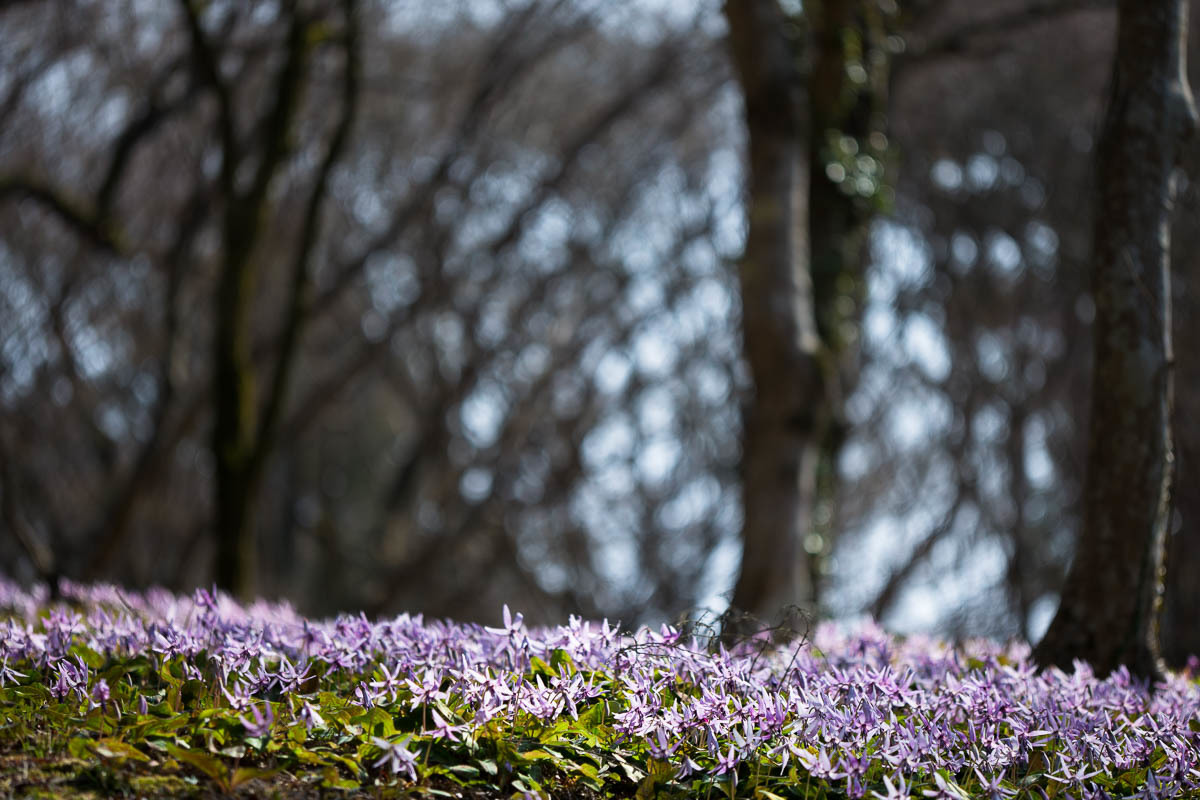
{"x": 517, "y": 373}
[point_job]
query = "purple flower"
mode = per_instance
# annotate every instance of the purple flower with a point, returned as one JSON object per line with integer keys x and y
{"x": 1075, "y": 777}
{"x": 71, "y": 679}
{"x": 205, "y": 598}
{"x": 389, "y": 682}
{"x": 288, "y": 677}
{"x": 945, "y": 789}
{"x": 443, "y": 729}
{"x": 992, "y": 787}
{"x": 897, "y": 791}
{"x": 240, "y": 699}
{"x": 843, "y": 706}
{"x": 728, "y": 764}
{"x": 309, "y": 716}
{"x": 396, "y": 756}
{"x": 7, "y": 673}
{"x": 261, "y": 725}
{"x": 428, "y": 690}
{"x": 512, "y": 625}
{"x": 100, "y": 692}
{"x": 365, "y": 696}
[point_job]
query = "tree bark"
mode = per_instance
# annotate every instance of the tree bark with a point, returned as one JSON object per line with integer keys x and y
{"x": 236, "y": 428}
{"x": 1107, "y": 615}
{"x": 244, "y": 434}
{"x": 783, "y": 422}
{"x": 801, "y": 274}
{"x": 841, "y": 209}
{"x": 1181, "y": 602}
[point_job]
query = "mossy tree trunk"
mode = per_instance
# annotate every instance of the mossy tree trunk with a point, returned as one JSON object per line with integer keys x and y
{"x": 801, "y": 273}
{"x": 1107, "y": 615}
{"x": 245, "y": 427}
{"x": 848, "y": 154}
{"x": 782, "y": 423}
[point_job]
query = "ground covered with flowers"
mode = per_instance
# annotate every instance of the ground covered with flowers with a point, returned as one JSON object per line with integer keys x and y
{"x": 106, "y": 692}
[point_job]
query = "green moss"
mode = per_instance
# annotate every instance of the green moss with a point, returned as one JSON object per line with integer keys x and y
{"x": 24, "y": 776}
{"x": 55, "y": 779}
{"x": 162, "y": 786}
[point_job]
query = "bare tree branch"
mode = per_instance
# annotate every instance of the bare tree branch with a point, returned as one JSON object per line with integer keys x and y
{"x": 70, "y": 212}
{"x": 206, "y": 63}
{"x": 154, "y": 113}
{"x": 964, "y": 40}
{"x": 114, "y": 525}
{"x": 298, "y": 301}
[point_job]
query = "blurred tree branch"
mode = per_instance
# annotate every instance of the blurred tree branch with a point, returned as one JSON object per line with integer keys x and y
{"x": 114, "y": 525}
{"x": 965, "y": 40}
{"x": 238, "y": 429}
{"x": 298, "y": 306}
{"x": 70, "y": 212}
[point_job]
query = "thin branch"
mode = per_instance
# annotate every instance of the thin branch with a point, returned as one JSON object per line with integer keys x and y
{"x": 206, "y": 63}
{"x": 899, "y": 577}
{"x": 154, "y": 114}
{"x": 329, "y": 389}
{"x": 964, "y": 40}
{"x": 19, "y": 84}
{"x": 488, "y": 91}
{"x": 104, "y": 447}
{"x": 71, "y": 213}
{"x": 298, "y": 300}
{"x": 115, "y": 524}
{"x": 38, "y": 554}
{"x": 277, "y": 123}
{"x": 514, "y": 431}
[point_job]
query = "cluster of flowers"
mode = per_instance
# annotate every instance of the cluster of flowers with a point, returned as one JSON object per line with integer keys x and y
{"x": 857, "y": 710}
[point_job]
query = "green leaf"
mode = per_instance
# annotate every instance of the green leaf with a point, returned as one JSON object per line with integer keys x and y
{"x": 80, "y": 747}
{"x": 90, "y": 657}
{"x": 172, "y": 671}
{"x": 450, "y": 714}
{"x": 633, "y": 773}
{"x": 465, "y": 771}
{"x": 331, "y": 779}
{"x": 377, "y": 721}
{"x": 117, "y": 749}
{"x": 347, "y": 762}
{"x": 560, "y": 657}
{"x": 209, "y": 765}
{"x": 537, "y": 755}
{"x": 306, "y": 756}
{"x": 658, "y": 773}
{"x": 590, "y": 774}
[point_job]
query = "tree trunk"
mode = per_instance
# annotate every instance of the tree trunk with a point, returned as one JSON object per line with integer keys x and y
{"x": 849, "y": 122}
{"x": 1181, "y": 603}
{"x": 235, "y": 410}
{"x": 783, "y": 422}
{"x": 243, "y": 434}
{"x": 1108, "y": 611}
